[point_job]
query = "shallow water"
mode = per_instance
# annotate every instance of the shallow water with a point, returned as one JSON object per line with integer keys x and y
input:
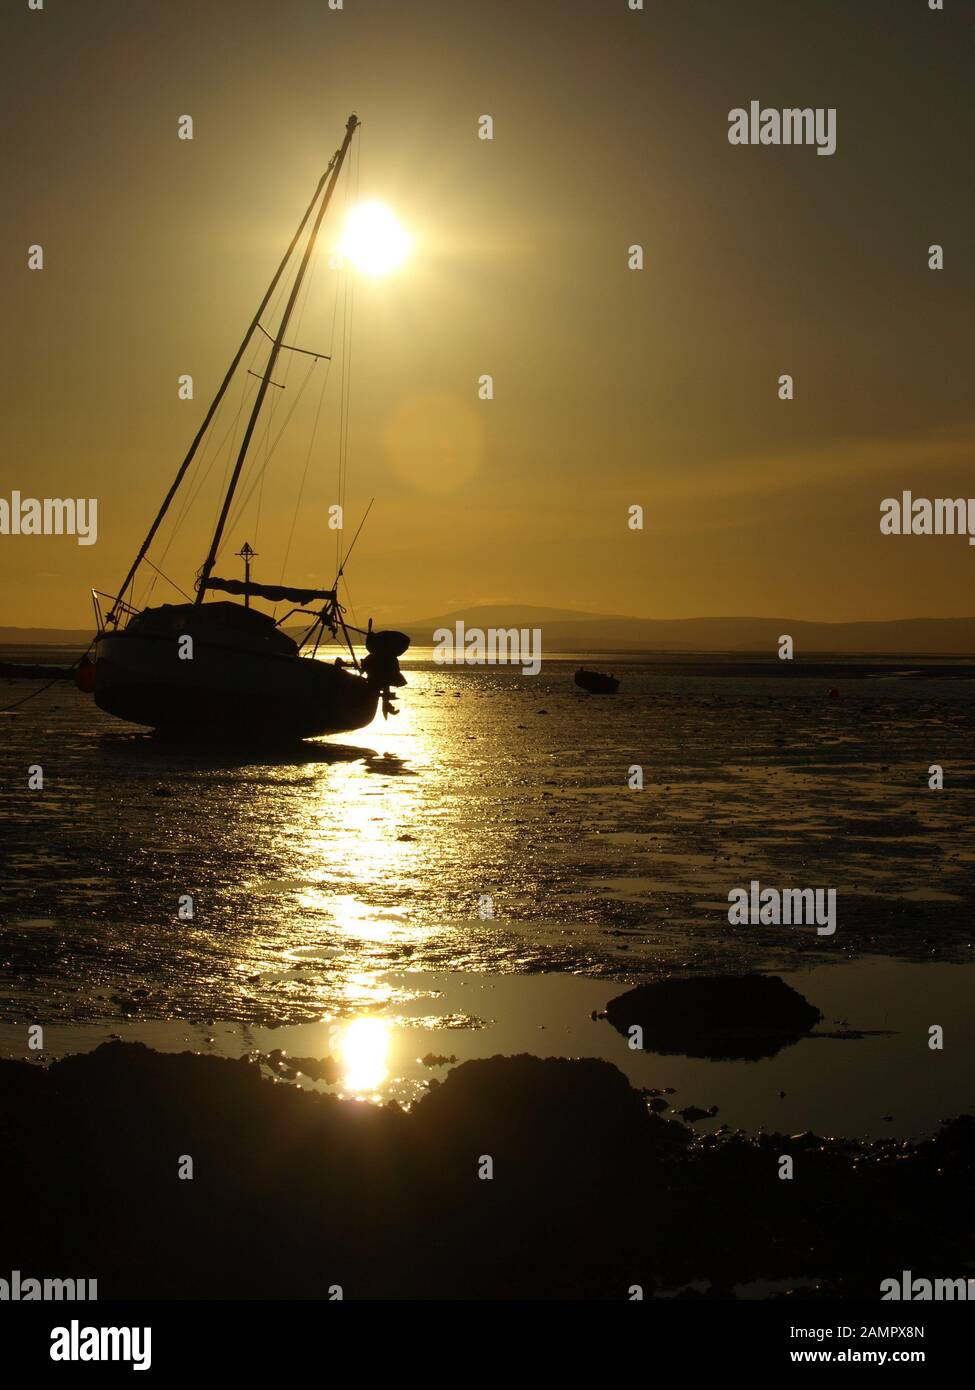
{"x": 315, "y": 874}
{"x": 865, "y": 1070}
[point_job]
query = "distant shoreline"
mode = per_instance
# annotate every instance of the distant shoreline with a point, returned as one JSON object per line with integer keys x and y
{"x": 567, "y": 633}
{"x": 753, "y": 655}
{"x": 822, "y": 666}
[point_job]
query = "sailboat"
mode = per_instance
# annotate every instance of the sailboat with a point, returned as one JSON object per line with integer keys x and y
{"x": 224, "y": 668}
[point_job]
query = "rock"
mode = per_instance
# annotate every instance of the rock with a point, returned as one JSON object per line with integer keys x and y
{"x": 717, "y": 1016}
{"x": 591, "y": 1190}
{"x": 693, "y": 1113}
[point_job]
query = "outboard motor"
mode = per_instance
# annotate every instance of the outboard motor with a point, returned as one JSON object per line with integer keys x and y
{"x": 381, "y": 666}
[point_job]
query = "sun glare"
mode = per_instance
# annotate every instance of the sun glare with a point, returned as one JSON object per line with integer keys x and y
{"x": 364, "y": 1050}
{"x": 373, "y": 240}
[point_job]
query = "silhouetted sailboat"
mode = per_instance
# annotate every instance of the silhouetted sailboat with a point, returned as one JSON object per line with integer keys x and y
{"x": 224, "y": 668}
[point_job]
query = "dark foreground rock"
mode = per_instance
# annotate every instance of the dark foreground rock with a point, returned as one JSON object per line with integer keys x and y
{"x": 716, "y": 1016}
{"x": 294, "y": 1192}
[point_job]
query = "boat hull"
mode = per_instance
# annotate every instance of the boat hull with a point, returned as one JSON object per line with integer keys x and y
{"x": 226, "y": 690}
{"x": 595, "y": 683}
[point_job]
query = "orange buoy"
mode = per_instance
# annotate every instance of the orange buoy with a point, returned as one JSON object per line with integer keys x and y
{"x": 84, "y": 676}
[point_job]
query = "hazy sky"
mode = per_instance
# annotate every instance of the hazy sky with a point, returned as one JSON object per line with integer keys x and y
{"x": 612, "y": 386}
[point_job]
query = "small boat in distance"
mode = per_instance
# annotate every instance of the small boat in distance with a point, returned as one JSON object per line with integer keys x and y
{"x": 225, "y": 668}
{"x": 596, "y": 683}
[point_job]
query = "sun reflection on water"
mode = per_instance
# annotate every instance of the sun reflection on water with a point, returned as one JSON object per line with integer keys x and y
{"x": 364, "y": 1051}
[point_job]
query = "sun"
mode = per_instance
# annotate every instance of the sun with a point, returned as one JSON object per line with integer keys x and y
{"x": 373, "y": 240}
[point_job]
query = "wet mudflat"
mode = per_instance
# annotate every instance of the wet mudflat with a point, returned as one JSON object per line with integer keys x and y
{"x": 344, "y": 990}
{"x": 313, "y": 872}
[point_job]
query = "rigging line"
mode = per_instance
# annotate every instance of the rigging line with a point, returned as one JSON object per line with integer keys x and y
{"x": 304, "y": 475}
{"x": 344, "y": 392}
{"x": 348, "y": 407}
{"x": 197, "y": 488}
{"x": 352, "y": 305}
{"x": 251, "y": 463}
{"x": 302, "y": 306}
{"x": 294, "y": 405}
{"x": 282, "y": 289}
{"x": 260, "y": 490}
{"x": 260, "y": 477}
{"x": 167, "y": 578}
{"x": 286, "y": 347}
{"x": 73, "y": 667}
{"x": 346, "y": 278}
{"x": 340, "y": 293}
{"x": 344, "y": 412}
{"x": 194, "y": 491}
{"x": 16, "y": 703}
{"x": 348, "y": 599}
{"x": 231, "y": 434}
{"x": 348, "y": 399}
{"x": 255, "y": 469}
{"x": 347, "y": 350}
{"x": 342, "y": 388}
{"x": 199, "y": 461}
{"x": 285, "y": 286}
{"x": 233, "y": 443}
{"x": 354, "y": 194}
{"x": 341, "y": 569}
{"x": 331, "y": 350}
{"x": 211, "y": 434}
{"x": 321, "y": 396}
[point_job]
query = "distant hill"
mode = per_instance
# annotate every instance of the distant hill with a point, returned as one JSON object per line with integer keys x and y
{"x": 564, "y": 631}
{"x": 45, "y": 636}
{"x": 568, "y": 630}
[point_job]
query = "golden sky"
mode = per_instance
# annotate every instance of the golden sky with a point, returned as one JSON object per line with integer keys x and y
{"x": 612, "y": 387}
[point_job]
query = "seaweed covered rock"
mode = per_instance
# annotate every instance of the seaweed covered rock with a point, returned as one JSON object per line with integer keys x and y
{"x": 724, "y": 1017}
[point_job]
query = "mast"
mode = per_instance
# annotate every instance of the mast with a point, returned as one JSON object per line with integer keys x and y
{"x": 336, "y": 168}
{"x": 255, "y": 323}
